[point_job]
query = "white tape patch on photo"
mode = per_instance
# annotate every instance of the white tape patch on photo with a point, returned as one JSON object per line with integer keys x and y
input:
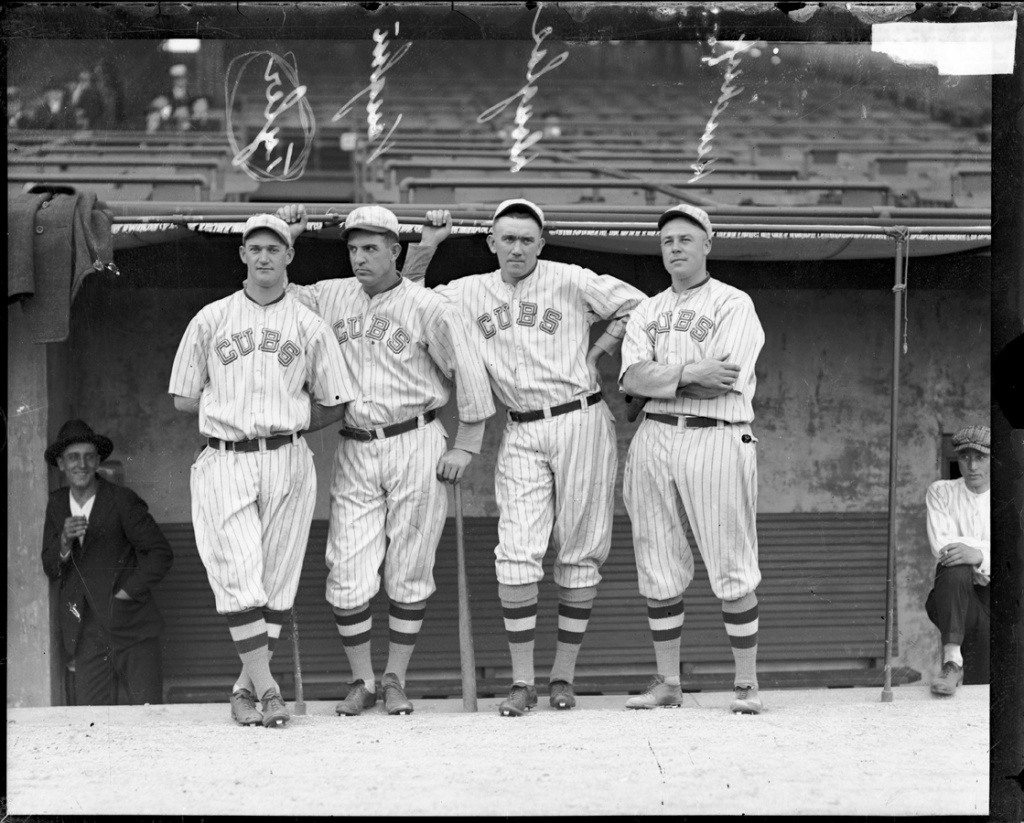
{"x": 953, "y": 48}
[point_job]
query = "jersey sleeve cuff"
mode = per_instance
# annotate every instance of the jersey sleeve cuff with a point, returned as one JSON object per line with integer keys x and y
{"x": 470, "y": 437}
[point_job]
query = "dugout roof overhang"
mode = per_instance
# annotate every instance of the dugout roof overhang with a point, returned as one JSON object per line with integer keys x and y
{"x": 742, "y": 233}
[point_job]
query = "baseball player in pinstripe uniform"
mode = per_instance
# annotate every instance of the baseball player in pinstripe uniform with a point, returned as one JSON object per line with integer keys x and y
{"x": 259, "y": 369}
{"x": 388, "y": 503}
{"x": 691, "y": 350}
{"x": 556, "y": 466}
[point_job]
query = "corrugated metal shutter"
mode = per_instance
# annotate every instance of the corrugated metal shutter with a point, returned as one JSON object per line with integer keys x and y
{"x": 822, "y": 606}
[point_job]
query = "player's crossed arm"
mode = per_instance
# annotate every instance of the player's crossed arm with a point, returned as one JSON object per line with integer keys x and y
{"x": 642, "y": 377}
{"x": 708, "y": 378}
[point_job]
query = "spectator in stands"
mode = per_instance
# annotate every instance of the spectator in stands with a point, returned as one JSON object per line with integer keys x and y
{"x": 201, "y": 119}
{"x": 181, "y": 118}
{"x": 107, "y": 553}
{"x": 172, "y": 111}
{"x": 50, "y": 111}
{"x": 179, "y": 93}
{"x": 17, "y": 113}
{"x": 111, "y": 92}
{"x": 86, "y": 103}
{"x": 958, "y": 531}
{"x": 552, "y": 124}
{"x": 158, "y": 115}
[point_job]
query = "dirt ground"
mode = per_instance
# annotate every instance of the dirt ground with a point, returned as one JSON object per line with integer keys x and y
{"x": 838, "y": 751}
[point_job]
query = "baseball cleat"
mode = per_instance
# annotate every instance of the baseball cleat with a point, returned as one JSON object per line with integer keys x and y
{"x": 357, "y": 699}
{"x": 658, "y": 695}
{"x": 395, "y": 700}
{"x": 521, "y": 698}
{"x": 275, "y": 712}
{"x": 561, "y": 694}
{"x": 746, "y": 700}
{"x": 952, "y": 676}
{"x": 243, "y": 708}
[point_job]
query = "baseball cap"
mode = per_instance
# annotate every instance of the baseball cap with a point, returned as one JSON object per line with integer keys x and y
{"x": 533, "y": 208}
{"x": 973, "y": 437}
{"x": 695, "y": 215}
{"x": 370, "y": 218}
{"x": 268, "y": 221}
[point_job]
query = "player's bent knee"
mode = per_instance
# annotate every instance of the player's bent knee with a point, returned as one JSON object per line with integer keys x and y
{"x": 954, "y": 578}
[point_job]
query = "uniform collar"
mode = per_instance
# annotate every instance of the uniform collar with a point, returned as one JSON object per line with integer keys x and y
{"x": 264, "y": 305}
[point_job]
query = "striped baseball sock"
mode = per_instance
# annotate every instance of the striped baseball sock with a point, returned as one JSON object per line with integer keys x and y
{"x": 274, "y": 620}
{"x": 741, "y": 625}
{"x": 354, "y": 627}
{"x": 519, "y": 608}
{"x": 665, "y": 617}
{"x": 249, "y": 631}
{"x": 574, "y": 606}
{"x": 404, "y": 622}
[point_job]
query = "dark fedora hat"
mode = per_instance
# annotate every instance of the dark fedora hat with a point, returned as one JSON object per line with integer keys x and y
{"x": 77, "y": 431}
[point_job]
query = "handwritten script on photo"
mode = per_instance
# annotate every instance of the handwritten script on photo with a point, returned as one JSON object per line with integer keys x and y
{"x": 522, "y": 137}
{"x": 381, "y": 63}
{"x": 279, "y": 161}
{"x": 703, "y": 167}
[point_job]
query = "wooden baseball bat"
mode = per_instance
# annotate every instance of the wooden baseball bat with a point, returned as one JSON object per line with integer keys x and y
{"x": 300, "y": 702}
{"x": 466, "y": 653}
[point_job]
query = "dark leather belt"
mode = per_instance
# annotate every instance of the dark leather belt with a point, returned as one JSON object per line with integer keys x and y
{"x": 554, "y": 411}
{"x": 686, "y": 422}
{"x": 388, "y": 431}
{"x": 254, "y": 445}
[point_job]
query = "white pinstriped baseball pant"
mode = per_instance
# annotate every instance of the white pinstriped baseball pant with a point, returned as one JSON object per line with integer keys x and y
{"x": 387, "y": 506}
{"x": 555, "y": 481}
{"x": 252, "y": 512}
{"x": 704, "y": 476}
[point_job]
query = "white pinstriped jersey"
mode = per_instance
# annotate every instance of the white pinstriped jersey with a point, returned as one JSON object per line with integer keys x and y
{"x": 404, "y": 347}
{"x": 534, "y": 335}
{"x": 253, "y": 367}
{"x": 680, "y": 328}
{"x": 958, "y": 515}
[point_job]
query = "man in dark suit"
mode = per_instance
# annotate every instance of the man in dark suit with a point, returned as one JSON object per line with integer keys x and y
{"x": 107, "y": 553}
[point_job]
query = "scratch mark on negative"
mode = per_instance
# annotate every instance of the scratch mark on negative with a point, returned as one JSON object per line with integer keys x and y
{"x": 649, "y": 746}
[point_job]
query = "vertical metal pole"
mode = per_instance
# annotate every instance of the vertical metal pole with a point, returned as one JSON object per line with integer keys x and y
{"x": 890, "y": 575}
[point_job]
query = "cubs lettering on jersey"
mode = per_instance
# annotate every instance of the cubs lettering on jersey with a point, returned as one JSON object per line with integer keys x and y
{"x": 243, "y": 344}
{"x": 425, "y": 344}
{"x": 535, "y": 333}
{"x": 223, "y": 359}
{"x": 680, "y": 328}
{"x": 501, "y": 319}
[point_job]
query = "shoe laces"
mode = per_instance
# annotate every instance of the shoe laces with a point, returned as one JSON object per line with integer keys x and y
{"x": 742, "y": 692}
{"x": 949, "y": 667}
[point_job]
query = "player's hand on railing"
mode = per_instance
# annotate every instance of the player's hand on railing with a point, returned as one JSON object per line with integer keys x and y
{"x": 452, "y": 465}
{"x": 294, "y": 214}
{"x": 439, "y": 226}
